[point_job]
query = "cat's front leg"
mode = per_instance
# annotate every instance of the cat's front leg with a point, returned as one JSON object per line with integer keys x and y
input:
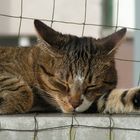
{"x": 120, "y": 101}
{"x": 15, "y": 95}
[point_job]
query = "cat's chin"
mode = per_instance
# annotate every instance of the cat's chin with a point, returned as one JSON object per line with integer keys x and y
{"x": 84, "y": 106}
{"x": 81, "y": 108}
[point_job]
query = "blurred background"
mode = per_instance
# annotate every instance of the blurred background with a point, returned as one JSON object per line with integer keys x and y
{"x": 96, "y": 18}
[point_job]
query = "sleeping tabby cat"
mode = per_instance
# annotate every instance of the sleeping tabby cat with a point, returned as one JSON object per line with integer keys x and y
{"x": 63, "y": 73}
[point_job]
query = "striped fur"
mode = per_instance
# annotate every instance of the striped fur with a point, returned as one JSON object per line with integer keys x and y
{"x": 62, "y": 72}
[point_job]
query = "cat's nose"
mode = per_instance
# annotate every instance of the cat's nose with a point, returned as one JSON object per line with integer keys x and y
{"x": 75, "y": 103}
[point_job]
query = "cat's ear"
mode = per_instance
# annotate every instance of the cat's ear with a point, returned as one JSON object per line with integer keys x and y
{"x": 50, "y": 36}
{"x": 111, "y": 42}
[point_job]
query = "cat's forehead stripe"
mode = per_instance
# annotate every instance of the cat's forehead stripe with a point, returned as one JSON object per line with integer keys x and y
{"x": 79, "y": 78}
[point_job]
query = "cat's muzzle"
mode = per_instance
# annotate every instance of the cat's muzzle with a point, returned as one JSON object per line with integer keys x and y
{"x": 75, "y": 103}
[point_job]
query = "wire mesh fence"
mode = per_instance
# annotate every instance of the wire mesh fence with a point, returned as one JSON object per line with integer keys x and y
{"x": 72, "y": 126}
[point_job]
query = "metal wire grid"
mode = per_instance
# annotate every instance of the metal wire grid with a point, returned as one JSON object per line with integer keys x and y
{"x": 73, "y": 127}
{"x": 111, "y": 127}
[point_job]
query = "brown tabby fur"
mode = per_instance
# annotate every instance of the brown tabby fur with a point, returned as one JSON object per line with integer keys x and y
{"x": 61, "y": 71}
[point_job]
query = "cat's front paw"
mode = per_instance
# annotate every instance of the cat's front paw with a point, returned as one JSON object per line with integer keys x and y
{"x": 121, "y": 101}
{"x": 136, "y": 100}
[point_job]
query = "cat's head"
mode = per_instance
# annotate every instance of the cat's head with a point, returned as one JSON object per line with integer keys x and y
{"x": 79, "y": 69}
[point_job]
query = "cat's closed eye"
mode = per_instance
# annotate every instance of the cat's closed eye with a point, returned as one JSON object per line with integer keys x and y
{"x": 90, "y": 88}
{"x": 60, "y": 85}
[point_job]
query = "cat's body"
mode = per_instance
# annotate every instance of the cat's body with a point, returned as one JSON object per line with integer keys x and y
{"x": 64, "y": 72}
{"x": 16, "y": 76}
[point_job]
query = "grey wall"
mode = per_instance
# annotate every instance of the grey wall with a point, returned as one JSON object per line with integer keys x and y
{"x": 58, "y": 127}
{"x": 137, "y": 43}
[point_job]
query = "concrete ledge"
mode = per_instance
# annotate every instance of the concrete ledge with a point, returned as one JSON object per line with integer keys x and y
{"x": 69, "y": 127}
